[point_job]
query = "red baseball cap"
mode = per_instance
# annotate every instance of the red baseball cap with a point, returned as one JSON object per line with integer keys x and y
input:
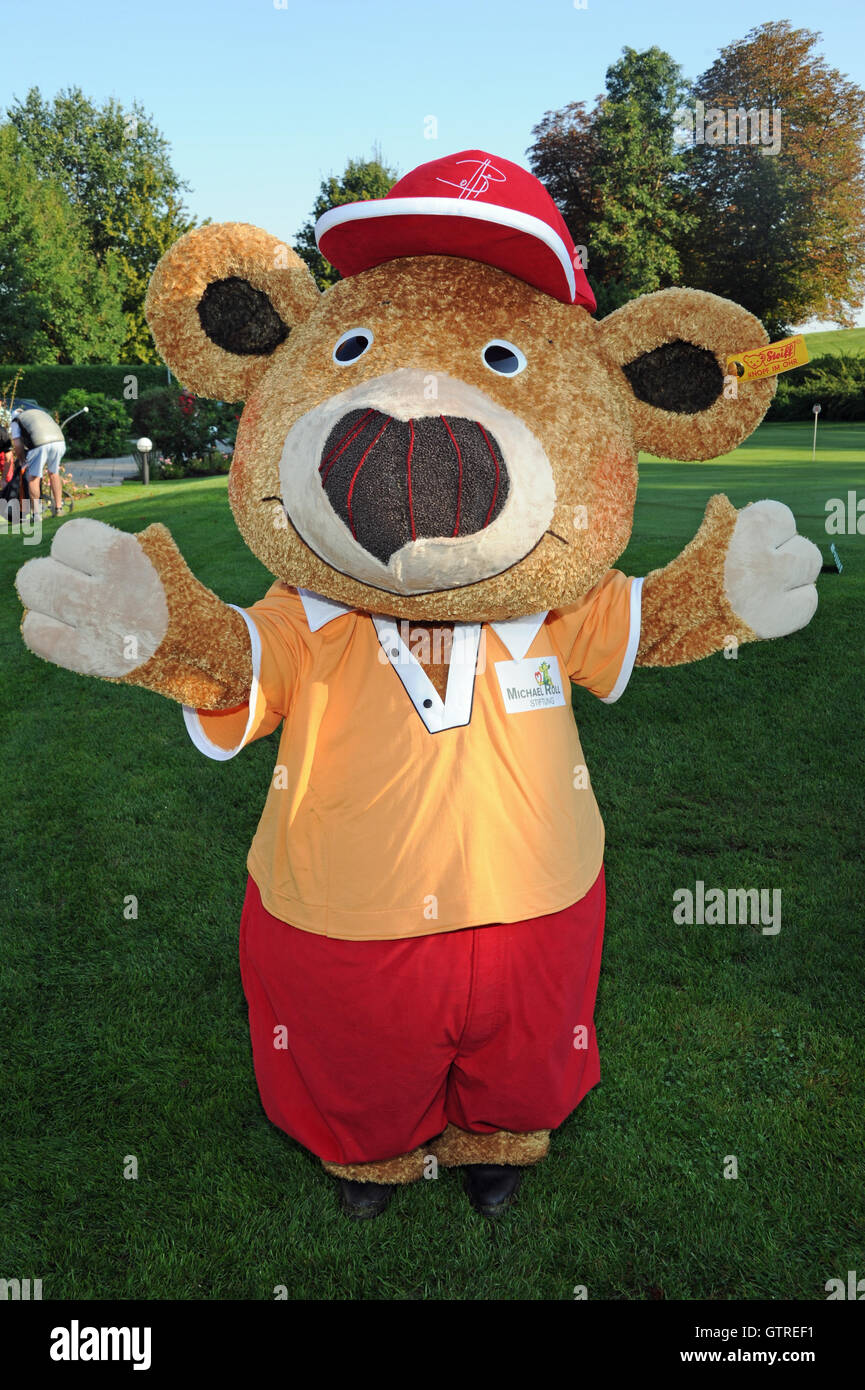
{"x": 469, "y": 204}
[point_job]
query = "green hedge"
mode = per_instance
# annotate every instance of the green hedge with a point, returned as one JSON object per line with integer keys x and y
{"x": 837, "y": 382}
{"x": 104, "y": 432}
{"x": 47, "y": 384}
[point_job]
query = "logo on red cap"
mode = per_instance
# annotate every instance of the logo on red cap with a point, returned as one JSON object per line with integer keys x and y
{"x": 484, "y": 174}
{"x": 471, "y": 205}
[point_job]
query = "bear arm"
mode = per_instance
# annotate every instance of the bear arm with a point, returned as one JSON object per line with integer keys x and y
{"x": 686, "y": 614}
{"x": 205, "y": 658}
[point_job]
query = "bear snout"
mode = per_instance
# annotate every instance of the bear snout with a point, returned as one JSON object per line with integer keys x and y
{"x": 392, "y": 481}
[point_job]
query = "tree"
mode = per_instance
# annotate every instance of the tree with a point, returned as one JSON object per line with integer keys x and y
{"x": 642, "y": 217}
{"x": 565, "y": 157}
{"x": 181, "y": 424}
{"x": 782, "y": 233}
{"x": 114, "y": 167}
{"x": 100, "y": 434}
{"x": 613, "y": 173}
{"x": 56, "y": 303}
{"x": 362, "y": 179}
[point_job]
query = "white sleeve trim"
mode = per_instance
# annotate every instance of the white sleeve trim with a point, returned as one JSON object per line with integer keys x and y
{"x": 633, "y": 643}
{"x": 190, "y": 715}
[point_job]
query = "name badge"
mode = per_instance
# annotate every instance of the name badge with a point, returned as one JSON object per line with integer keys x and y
{"x": 533, "y": 683}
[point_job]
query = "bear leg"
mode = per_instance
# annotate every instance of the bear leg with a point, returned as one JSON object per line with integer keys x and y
{"x": 402, "y": 1169}
{"x": 456, "y": 1148}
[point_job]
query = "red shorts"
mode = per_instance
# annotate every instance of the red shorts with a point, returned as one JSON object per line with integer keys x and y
{"x": 364, "y": 1050}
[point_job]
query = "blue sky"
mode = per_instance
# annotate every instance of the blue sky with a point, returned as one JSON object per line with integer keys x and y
{"x": 260, "y": 99}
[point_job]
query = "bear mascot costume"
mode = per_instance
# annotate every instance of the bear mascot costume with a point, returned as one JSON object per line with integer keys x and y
{"x": 437, "y": 460}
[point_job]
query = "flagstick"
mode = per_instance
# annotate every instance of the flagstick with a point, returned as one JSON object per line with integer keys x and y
{"x": 816, "y": 409}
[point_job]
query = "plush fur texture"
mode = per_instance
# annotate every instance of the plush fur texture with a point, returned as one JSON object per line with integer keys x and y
{"x": 677, "y": 377}
{"x": 746, "y": 565}
{"x": 706, "y": 321}
{"x": 128, "y": 608}
{"x": 439, "y": 410}
{"x": 236, "y": 315}
{"x": 204, "y": 660}
{"x": 402, "y": 1169}
{"x": 95, "y": 604}
{"x": 430, "y": 643}
{"x": 686, "y": 614}
{"x": 457, "y": 1147}
{"x": 432, "y": 315}
{"x": 591, "y": 456}
{"x": 181, "y": 280}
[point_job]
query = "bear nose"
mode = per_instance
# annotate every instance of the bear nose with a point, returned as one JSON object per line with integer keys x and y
{"x": 394, "y": 481}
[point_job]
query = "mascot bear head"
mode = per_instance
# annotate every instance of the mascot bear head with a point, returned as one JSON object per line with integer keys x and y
{"x": 446, "y": 434}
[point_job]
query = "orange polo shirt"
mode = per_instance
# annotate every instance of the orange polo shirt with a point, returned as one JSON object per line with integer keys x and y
{"x": 393, "y": 813}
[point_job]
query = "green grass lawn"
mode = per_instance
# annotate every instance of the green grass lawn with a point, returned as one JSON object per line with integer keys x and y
{"x": 835, "y": 340}
{"x": 129, "y": 1037}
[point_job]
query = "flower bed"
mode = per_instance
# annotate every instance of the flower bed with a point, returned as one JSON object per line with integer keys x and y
{"x": 209, "y": 466}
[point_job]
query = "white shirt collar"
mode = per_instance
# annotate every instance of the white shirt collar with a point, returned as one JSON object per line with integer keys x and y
{"x": 517, "y": 634}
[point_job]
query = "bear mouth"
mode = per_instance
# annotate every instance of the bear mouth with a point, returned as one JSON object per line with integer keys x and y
{"x": 393, "y": 481}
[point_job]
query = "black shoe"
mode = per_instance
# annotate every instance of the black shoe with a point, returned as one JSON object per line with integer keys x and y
{"x": 492, "y": 1186}
{"x": 364, "y": 1200}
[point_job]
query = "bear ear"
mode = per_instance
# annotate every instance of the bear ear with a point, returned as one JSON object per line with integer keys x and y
{"x": 673, "y": 348}
{"x": 221, "y": 301}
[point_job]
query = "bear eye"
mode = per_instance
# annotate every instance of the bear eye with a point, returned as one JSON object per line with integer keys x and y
{"x": 352, "y": 345}
{"x": 503, "y": 358}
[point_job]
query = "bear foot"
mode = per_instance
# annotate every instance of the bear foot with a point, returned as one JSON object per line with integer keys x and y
{"x": 364, "y": 1200}
{"x": 492, "y": 1187}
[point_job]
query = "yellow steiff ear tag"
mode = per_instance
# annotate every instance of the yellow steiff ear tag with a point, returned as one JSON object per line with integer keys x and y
{"x": 768, "y": 361}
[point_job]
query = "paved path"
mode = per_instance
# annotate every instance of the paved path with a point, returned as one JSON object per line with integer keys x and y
{"x": 111, "y": 472}
{"x": 101, "y": 472}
